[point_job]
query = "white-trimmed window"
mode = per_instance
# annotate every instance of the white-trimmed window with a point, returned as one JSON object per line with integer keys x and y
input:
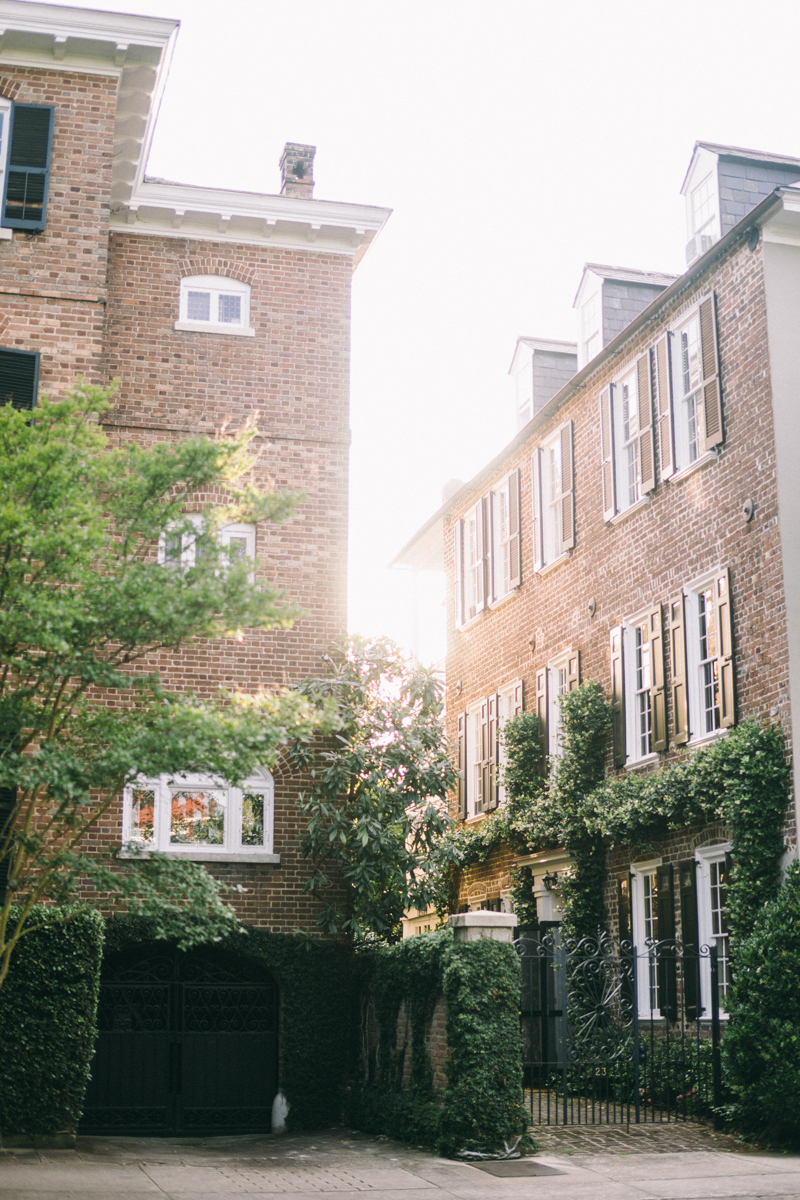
{"x": 201, "y": 818}
{"x": 480, "y": 751}
{"x": 552, "y": 682}
{"x": 688, "y": 394}
{"x": 703, "y": 684}
{"x": 712, "y": 917}
{"x": 652, "y": 895}
{"x": 703, "y": 206}
{"x": 626, "y": 439}
{"x": 553, "y": 498}
{"x": 179, "y": 549}
{"x": 591, "y": 333}
{"x": 505, "y": 550}
{"x": 214, "y": 304}
{"x": 488, "y": 558}
{"x": 637, "y": 687}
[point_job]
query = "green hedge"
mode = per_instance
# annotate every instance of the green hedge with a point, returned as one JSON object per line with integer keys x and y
{"x": 48, "y": 1023}
{"x": 317, "y": 989}
{"x": 482, "y": 1104}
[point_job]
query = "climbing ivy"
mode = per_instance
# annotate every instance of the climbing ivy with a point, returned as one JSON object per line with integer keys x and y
{"x": 740, "y": 780}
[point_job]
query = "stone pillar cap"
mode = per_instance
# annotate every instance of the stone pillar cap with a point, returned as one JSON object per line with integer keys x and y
{"x": 484, "y": 918}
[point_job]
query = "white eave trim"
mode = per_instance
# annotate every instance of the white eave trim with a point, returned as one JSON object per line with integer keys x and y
{"x": 90, "y": 25}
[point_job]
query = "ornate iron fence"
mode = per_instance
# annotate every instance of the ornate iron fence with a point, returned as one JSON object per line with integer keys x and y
{"x": 613, "y": 1033}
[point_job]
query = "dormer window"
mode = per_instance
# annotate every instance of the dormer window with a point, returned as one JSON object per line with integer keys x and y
{"x": 591, "y": 341}
{"x": 703, "y": 207}
{"x": 214, "y": 304}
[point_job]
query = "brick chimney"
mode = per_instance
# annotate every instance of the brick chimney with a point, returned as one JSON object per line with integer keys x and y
{"x": 297, "y": 170}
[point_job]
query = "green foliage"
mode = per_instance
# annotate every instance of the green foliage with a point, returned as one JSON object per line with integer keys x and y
{"x": 83, "y": 601}
{"x": 379, "y": 800}
{"x": 761, "y": 1047}
{"x": 317, "y": 983}
{"x": 48, "y": 1010}
{"x": 481, "y": 1106}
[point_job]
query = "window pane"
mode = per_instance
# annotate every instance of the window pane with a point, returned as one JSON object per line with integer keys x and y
{"x": 143, "y": 815}
{"x": 253, "y": 819}
{"x": 237, "y": 549}
{"x": 198, "y": 817}
{"x": 198, "y": 306}
{"x": 230, "y": 310}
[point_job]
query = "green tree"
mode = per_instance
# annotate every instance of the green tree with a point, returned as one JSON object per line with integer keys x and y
{"x": 379, "y": 800}
{"x": 83, "y": 603}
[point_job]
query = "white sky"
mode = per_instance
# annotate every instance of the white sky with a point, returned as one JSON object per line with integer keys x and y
{"x": 515, "y": 140}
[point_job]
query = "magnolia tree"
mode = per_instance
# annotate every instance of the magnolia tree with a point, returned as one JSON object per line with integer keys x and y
{"x": 378, "y": 802}
{"x": 83, "y": 605}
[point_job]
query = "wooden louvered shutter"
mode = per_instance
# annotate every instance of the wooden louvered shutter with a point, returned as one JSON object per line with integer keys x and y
{"x": 574, "y": 671}
{"x": 537, "y": 525}
{"x": 493, "y": 753}
{"x": 28, "y": 174}
{"x": 485, "y": 770}
{"x": 517, "y": 697}
{"x": 19, "y": 378}
{"x": 667, "y": 998}
{"x": 607, "y": 453}
{"x": 711, "y": 430}
{"x": 663, "y": 407}
{"x": 647, "y": 458}
{"x": 690, "y": 938}
{"x": 677, "y": 651}
{"x": 514, "y": 538}
{"x": 461, "y": 790}
{"x": 624, "y": 902}
{"x": 458, "y": 572}
{"x": 617, "y": 696}
{"x": 489, "y": 584}
{"x": 567, "y": 488}
{"x": 724, "y": 625}
{"x": 541, "y": 715}
{"x": 658, "y": 700}
{"x": 478, "y": 566}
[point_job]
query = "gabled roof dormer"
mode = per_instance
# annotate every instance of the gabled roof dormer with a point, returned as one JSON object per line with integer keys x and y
{"x": 723, "y": 184}
{"x": 608, "y": 299}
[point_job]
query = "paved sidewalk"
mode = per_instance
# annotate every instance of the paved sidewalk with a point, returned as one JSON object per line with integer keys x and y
{"x": 350, "y": 1163}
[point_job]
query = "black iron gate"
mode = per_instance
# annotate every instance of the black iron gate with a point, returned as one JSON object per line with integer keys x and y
{"x": 188, "y": 1044}
{"x": 615, "y": 1034}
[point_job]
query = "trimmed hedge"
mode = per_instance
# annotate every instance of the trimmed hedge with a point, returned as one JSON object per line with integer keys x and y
{"x": 48, "y": 1023}
{"x": 317, "y": 988}
{"x": 482, "y": 1105}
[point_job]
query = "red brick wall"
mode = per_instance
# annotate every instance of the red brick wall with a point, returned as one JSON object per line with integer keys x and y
{"x": 689, "y": 527}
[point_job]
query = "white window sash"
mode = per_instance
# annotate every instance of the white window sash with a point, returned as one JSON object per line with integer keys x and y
{"x": 232, "y": 838}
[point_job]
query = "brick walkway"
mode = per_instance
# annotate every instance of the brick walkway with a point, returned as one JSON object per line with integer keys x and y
{"x": 631, "y": 1139}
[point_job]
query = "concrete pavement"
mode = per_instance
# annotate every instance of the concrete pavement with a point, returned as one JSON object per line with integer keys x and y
{"x": 353, "y": 1164}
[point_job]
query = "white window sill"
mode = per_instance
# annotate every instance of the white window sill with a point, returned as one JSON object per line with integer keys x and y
{"x": 709, "y": 456}
{"x": 503, "y": 599}
{"x": 649, "y": 760}
{"x": 706, "y": 738}
{"x": 228, "y": 856}
{"x": 630, "y": 510}
{"x": 548, "y": 567}
{"x": 486, "y": 609}
{"x": 6, "y": 235}
{"x": 211, "y": 327}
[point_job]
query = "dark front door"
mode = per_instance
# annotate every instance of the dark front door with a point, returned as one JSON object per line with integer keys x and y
{"x": 188, "y": 1044}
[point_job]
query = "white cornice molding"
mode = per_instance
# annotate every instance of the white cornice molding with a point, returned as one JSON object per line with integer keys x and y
{"x": 174, "y": 210}
{"x": 89, "y": 25}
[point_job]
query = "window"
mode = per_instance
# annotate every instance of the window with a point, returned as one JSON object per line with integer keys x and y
{"x": 703, "y": 205}
{"x": 626, "y": 437}
{"x": 553, "y": 498}
{"x": 591, "y": 340}
{"x": 523, "y": 386}
{"x": 179, "y": 547}
{"x": 652, "y": 910}
{"x": 553, "y": 682}
{"x": 199, "y": 817}
{"x": 214, "y": 304}
{"x": 689, "y": 405}
{"x": 704, "y": 922}
{"x": 638, "y": 702}
{"x": 701, "y": 644}
{"x": 488, "y": 551}
{"x": 480, "y": 751}
{"x": 19, "y": 378}
{"x": 26, "y": 138}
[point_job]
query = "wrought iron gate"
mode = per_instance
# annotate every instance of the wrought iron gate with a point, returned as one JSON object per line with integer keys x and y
{"x": 615, "y": 1034}
{"x": 187, "y": 1045}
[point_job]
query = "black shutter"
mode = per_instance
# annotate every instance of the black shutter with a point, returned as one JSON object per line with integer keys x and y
{"x": 690, "y": 937}
{"x": 666, "y": 933}
{"x": 462, "y": 766}
{"x": 19, "y": 378}
{"x": 28, "y": 174}
{"x": 8, "y": 798}
{"x": 624, "y": 899}
{"x": 617, "y": 696}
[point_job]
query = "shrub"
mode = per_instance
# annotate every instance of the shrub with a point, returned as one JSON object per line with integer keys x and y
{"x": 48, "y": 1025}
{"x": 761, "y": 1048}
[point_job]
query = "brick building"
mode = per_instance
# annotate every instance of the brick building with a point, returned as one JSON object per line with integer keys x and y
{"x": 212, "y": 307}
{"x": 641, "y": 530}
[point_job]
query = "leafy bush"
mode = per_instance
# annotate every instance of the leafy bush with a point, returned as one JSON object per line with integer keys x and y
{"x": 761, "y": 1048}
{"x": 48, "y": 1010}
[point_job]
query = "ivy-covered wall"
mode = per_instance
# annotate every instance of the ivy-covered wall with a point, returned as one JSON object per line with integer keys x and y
{"x": 48, "y": 1024}
{"x": 317, "y": 985}
{"x": 481, "y": 1104}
